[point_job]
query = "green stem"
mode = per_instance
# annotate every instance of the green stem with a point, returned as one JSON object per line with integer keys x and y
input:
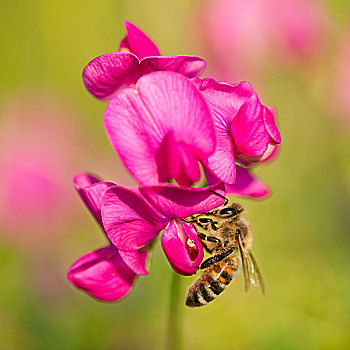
{"x": 174, "y": 331}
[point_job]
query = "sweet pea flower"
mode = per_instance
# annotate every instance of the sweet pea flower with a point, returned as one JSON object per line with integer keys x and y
{"x": 103, "y": 274}
{"x": 134, "y": 217}
{"x": 139, "y": 55}
{"x": 245, "y": 129}
{"x": 161, "y": 129}
{"x": 106, "y": 273}
{"x": 33, "y": 177}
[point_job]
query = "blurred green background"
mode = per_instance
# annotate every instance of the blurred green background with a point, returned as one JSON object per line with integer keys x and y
{"x": 301, "y": 232}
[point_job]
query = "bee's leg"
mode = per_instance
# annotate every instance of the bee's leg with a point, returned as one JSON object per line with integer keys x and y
{"x": 216, "y": 258}
{"x": 204, "y": 223}
{"x": 204, "y": 237}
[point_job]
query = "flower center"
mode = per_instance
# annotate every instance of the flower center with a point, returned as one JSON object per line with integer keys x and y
{"x": 192, "y": 249}
{"x": 177, "y": 160}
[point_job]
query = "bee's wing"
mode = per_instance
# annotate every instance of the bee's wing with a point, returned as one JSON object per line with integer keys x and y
{"x": 251, "y": 271}
{"x": 245, "y": 266}
{"x": 254, "y": 272}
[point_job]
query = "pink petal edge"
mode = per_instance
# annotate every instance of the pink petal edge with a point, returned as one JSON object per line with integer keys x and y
{"x": 105, "y": 74}
{"x": 190, "y": 66}
{"x": 102, "y": 274}
{"x": 91, "y": 191}
{"x": 137, "y": 42}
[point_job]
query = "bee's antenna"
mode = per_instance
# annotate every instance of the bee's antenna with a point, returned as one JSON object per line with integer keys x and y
{"x": 223, "y": 197}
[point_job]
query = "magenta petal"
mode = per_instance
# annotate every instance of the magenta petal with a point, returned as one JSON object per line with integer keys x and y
{"x": 124, "y": 124}
{"x": 91, "y": 191}
{"x": 82, "y": 180}
{"x": 135, "y": 260}
{"x": 102, "y": 274}
{"x": 137, "y": 42}
{"x": 137, "y": 121}
{"x": 176, "y": 160}
{"x": 104, "y": 75}
{"x": 211, "y": 178}
{"x": 246, "y": 185}
{"x": 222, "y": 161}
{"x": 182, "y": 247}
{"x": 190, "y": 66}
{"x": 173, "y": 201}
{"x": 273, "y": 155}
{"x": 248, "y": 130}
{"x": 269, "y": 116}
{"x": 129, "y": 221}
{"x": 190, "y": 169}
{"x": 175, "y": 104}
{"x": 224, "y": 101}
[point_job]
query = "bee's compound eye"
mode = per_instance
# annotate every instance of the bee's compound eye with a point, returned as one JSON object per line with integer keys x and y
{"x": 228, "y": 212}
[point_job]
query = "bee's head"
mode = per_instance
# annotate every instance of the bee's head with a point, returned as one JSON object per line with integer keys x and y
{"x": 244, "y": 230}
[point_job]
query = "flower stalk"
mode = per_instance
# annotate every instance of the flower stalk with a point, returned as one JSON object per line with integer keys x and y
{"x": 175, "y": 334}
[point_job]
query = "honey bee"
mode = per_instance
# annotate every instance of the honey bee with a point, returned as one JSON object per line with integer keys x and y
{"x": 228, "y": 236}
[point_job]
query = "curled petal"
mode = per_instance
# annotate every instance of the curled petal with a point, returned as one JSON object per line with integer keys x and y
{"x": 91, "y": 191}
{"x": 103, "y": 274}
{"x": 137, "y": 42}
{"x": 173, "y": 201}
{"x": 274, "y": 154}
{"x": 248, "y": 130}
{"x": 224, "y": 101}
{"x": 247, "y": 185}
{"x": 129, "y": 221}
{"x": 182, "y": 247}
{"x": 104, "y": 75}
{"x": 135, "y": 260}
{"x": 82, "y": 180}
{"x": 269, "y": 116}
{"x": 270, "y": 150}
{"x": 190, "y": 66}
{"x": 138, "y": 120}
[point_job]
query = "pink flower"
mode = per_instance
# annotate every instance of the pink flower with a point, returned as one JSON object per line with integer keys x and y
{"x": 137, "y": 42}
{"x": 107, "y": 273}
{"x": 134, "y": 217}
{"x": 161, "y": 129}
{"x": 35, "y": 166}
{"x": 245, "y": 129}
{"x": 103, "y": 274}
{"x": 245, "y": 36}
{"x": 105, "y": 74}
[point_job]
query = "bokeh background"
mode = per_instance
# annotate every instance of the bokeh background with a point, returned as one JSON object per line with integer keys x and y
{"x": 297, "y": 57}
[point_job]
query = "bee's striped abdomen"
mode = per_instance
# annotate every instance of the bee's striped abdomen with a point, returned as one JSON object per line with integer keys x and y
{"x": 211, "y": 283}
